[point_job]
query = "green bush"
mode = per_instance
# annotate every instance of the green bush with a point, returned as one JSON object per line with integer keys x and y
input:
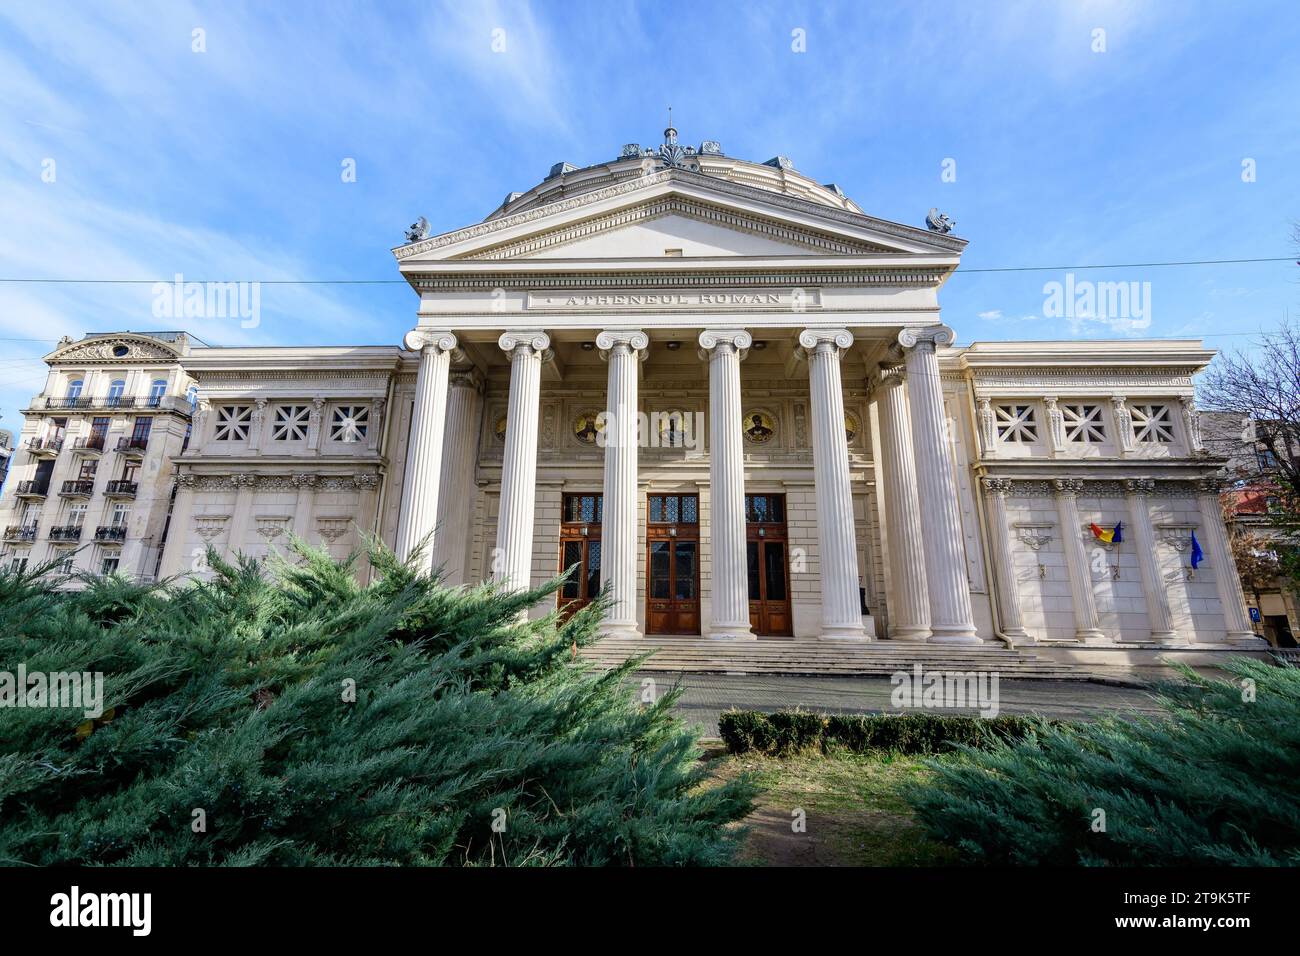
{"x": 231, "y": 697}
{"x": 1212, "y": 781}
{"x": 786, "y": 732}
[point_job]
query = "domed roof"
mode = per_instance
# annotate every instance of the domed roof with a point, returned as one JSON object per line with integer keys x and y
{"x": 777, "y": 174}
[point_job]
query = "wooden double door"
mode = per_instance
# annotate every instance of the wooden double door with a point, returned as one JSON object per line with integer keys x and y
{"x": 767, "y": 554}
{"x": 580, "y": 545}
{"x": 672, "y": 564}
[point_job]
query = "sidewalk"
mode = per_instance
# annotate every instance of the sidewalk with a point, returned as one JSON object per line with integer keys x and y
{"x": 708, "y": 695}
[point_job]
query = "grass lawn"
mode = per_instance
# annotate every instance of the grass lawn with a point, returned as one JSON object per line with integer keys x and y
{"x": 854, "y": 813}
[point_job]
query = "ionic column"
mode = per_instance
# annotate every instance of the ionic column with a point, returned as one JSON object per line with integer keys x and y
{"x": 836, "y": 535}
{"x": 909, "y": 599}
{"x": 951, "y": 618}
{"x": 730, "y": 594}
{"x": 456, "y": 487}
{"x": 419, "y": 509}
{"x": 623, "y": 350}
{"x": 1159, "y": 615}
{"x": 1086, "y": 621}
{"x": 513, "y": 561}
{"x": 1013, "y": 625}
{"x": 1218, "y": 554}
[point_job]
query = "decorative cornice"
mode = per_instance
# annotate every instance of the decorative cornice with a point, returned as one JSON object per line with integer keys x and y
{"x": 296, "y": 481}
{"x": 721, "y": 187}
{"x": 1097, "y": 488}
{"x": 680, "y": 206}
{"x": 712, "y": 279}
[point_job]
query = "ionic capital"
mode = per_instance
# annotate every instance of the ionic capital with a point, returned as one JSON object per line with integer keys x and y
{"x": 635, "y": 340}
{"x": 998, "y": 486}
{"x": 417, "y": 340}
{"x": 824, "y": 340}
{"x": 466, "y": 377}
{"x": 926, "y": 338}
{"x": 737, "y": 339}
{"x": 535, "y": 340}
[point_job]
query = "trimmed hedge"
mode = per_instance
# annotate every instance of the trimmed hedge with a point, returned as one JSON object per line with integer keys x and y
{"x": 791, "y": 731}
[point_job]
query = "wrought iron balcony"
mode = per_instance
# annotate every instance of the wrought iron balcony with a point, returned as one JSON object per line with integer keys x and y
{"x": 121, "y": 489}
{"x": 78, "y": 488}
{"x": 112, "y": 532}
{"x": 89, "y": 445}
{"x": 44, "y": 447}
{"x": 66, "y": 532}
{"x": 32, "y": 489}
{"x": 133, "y": 446}
{"x": 18, "y": 532}
{"x": 68, "y": 403}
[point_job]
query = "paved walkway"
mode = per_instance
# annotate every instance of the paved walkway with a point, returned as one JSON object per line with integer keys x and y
{"x": 708, "y": 695}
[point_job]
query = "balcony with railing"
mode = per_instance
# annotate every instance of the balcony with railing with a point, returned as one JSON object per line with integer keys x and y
{"x": 44, "y": 447}
{"x": 66, "y": 532}
{"x": 32, "y": 489}
{"x": 78, "y": 488}
{"x": 20, "y": 532}
{"x": 157, "y": 403}
{"x": 89, "y": 445}
{"x": 112, "y": 532}
{"x": 133, "y": 447}
{"x": 121, "y": 489}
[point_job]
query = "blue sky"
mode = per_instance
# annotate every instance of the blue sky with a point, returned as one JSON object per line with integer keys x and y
{"x": 226, "y": 164}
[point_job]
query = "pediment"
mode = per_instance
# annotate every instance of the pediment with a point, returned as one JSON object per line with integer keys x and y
{"x": 114, "y": 348}
{"x": 677, "y": 212}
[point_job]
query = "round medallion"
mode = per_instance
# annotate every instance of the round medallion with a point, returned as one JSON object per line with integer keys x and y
{"x": 499, "y": 429}
{"x": 674, "y": 429}
{"x": 851, "y": 427}
{"x": 586, "y": 426}
{"x": 760, "y": 427}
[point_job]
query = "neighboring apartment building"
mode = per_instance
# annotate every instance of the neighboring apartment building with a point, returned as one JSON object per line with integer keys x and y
{"x": 1252, "y": 500}
{"x": 93, "y": 470}
{"x": 6, "y": 454}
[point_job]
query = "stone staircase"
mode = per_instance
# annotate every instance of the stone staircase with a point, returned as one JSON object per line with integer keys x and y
{"x": 700, "y": 655}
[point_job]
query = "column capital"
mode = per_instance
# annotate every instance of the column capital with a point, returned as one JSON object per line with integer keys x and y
{"x": 814, "y": 339}
{"x": 1067, "y": 487}
{"x": 467, "y": 377}
{"x": 738, "y": 339}
{"x": 1210, "y": 485}
{"x": 1140, "y": 486}
{"x": 998, "y": 486}
{"x": 926, "y": 337}
{"x": 534, "y": 339}
{"x": 417, "y": 340}
{"x": 636, "y": 341}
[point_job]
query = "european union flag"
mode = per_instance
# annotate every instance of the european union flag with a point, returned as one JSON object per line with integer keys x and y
{"x": 1197, "y": 554}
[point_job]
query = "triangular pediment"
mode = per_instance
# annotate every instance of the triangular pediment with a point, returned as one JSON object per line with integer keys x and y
{"x": 673, "y": 212}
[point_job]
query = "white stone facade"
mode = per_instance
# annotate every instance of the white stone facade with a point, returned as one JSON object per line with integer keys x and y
{"x": 730, "y": 396}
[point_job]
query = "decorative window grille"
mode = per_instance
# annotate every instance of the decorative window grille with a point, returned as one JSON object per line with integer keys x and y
{"x": 1015, "y": 423}
{"x": 349, "y": 423}
{"x": 290, "y": 423}
{"x": 1153, "y": 423}
{"x": 1083, "y": 423}
{"x": 233, "y": 422}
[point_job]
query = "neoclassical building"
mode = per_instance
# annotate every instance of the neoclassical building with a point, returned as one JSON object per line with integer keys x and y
{"x": 728, "y": 397}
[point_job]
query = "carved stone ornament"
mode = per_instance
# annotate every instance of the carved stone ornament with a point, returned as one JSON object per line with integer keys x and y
{"x": 1178, "y": 537}
{"x": 1034, "y": 535}
{"x": 331, "y": 529}
{"x": 209, "y": 526}
{"x": 271, "y": 527}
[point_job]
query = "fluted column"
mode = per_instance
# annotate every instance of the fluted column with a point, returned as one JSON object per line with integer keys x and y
{"x": 836, "y": 533}
{"x": 513, "y": 561}
{"x": 1159, "y": 615}
{"x": 1004, "y": 569}
{"x": 1218, "y": 555}
{"x": 1086, "y": 622}
{"x": 730, "y": 592}
{"x": 909, "y": 600}
{"x": 419, "y": 510}
{"x": 623, "y": 349}
{"x": 456, "y": 481}
{"x": 951, "y": 618}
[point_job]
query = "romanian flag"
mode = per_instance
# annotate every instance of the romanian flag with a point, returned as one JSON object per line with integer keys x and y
{"x": 1114, "y": 536}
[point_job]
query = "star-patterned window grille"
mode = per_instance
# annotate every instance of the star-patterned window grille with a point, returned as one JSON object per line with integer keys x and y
{"x": 290, "y": 423}
{"x": 1084, "y": 424}
{"x": 349, "y": 423}
{"x": 1016, "y": 423}
{"x": 233, "y": 423}
{"x": 1152, "y": 423}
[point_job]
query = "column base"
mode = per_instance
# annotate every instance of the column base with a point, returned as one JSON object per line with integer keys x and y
{"x": 1092, "y": 637}
{"x": 954, "y": 634}
{"x": 915, "y": 634}
{"x": 1246, "y": 639}
{"x": 613, "y": 629}
{"x": 1019, "y": 637}
{"x": 1166, "y": 638}
{"x": 731, "y": 632}
{"x": 843, "y": 632}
